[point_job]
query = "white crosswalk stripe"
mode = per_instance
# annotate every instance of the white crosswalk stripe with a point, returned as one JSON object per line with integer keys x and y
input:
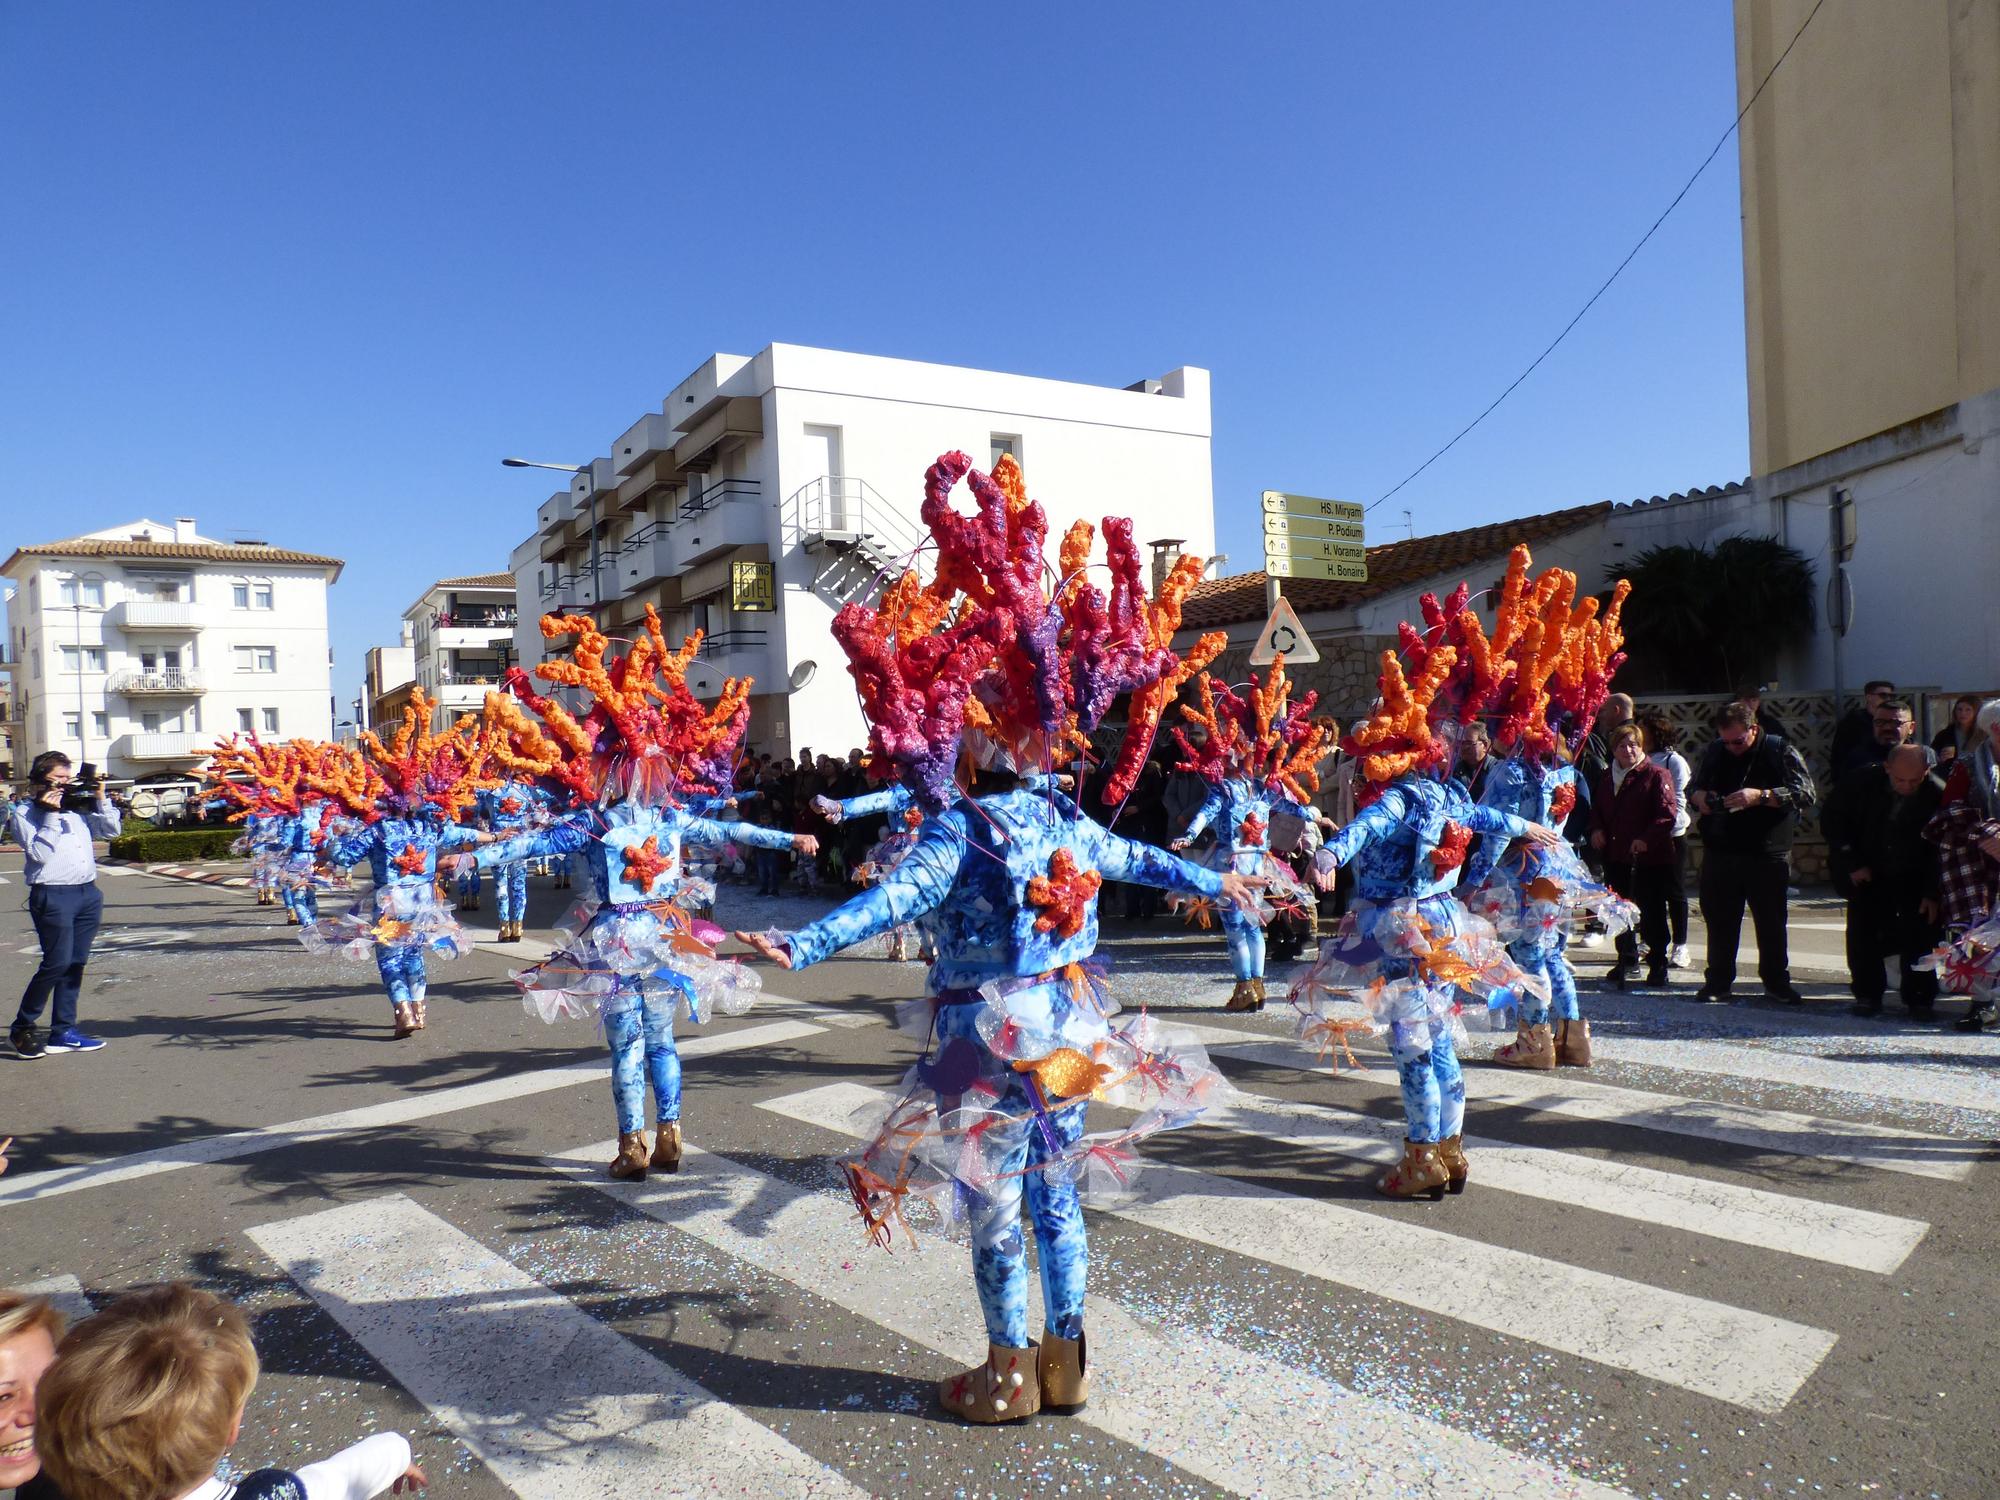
{"x": 1825, "y": 1138}
{"x": 66, "y": 1292}
{"x": 1747, "y": 1358}
{"x": 31, "y": 1187}
{"x": 1840, "y": 1236}
{"x": 1226, "y": 1414}
{"x": 548, "y": 1397}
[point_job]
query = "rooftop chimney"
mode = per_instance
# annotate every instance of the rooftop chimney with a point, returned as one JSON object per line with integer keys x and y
{"x": 183, "y": 528}
{"x": 1166, "y": 552}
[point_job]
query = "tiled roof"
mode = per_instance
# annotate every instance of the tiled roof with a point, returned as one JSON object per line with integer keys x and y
{"x": 477, "y": 581}
{"x": 168, "y": 552}
{"x": 1395, "y": 565}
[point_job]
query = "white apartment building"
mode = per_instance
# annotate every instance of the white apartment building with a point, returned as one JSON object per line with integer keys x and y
{"x": 138, "y": 646}
{"x": 460, "y": 632}
{"x": 768, "y": 490}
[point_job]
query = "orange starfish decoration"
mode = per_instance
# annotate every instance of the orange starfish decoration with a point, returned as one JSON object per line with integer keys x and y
{"x": 412, "y": 860}
{"x": 1450, "y": 851}
{"x": 1063, "y": 896}
{"x": 1065, "y": 1073}
{"x": 646, "y": 864}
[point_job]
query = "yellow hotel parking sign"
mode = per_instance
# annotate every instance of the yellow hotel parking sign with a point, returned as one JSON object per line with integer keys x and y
{"x": 753, "y": 587}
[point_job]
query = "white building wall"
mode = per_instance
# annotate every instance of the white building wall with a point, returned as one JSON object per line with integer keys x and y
{"x": 120, "y": 728}
{"x": 1088, "y": 451}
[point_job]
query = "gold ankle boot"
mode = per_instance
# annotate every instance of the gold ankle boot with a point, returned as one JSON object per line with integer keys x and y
{"x": 1004, "y": 1389}
{"x": 667, "y": 1146}
{"x": 1532, "y": 1047}
{"x": 1573, "y": 1044}
{"x": 1451, "y": 1152}
{"x": 1257, "y": 989}
{"x": 1420, "y": 1174}
{"x": 631, "y": 1159}
{"x": 405, "y": 1023}
{"x": 1063, "y": 1373}
{"x": 1243, "y": 997}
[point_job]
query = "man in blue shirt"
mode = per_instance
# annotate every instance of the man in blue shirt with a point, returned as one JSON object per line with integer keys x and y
{"x": 63, "y": 901}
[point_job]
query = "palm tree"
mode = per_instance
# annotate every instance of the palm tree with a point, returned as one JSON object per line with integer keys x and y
{"x": 1707, "y": 619}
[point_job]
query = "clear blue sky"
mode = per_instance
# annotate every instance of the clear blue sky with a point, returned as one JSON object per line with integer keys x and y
{"x": 311, "y": 270}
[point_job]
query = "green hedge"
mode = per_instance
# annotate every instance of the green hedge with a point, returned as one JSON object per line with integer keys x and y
{"x": 174, "y": 844}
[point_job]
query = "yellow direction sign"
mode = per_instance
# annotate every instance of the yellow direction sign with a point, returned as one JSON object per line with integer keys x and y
{"x": 1284, "y": 636}
{"x": 1276, "y": 501}
{"x": 1314, "y": 546}
{"x": 1278, "y": 523}
{"x": 1338, "y": 570}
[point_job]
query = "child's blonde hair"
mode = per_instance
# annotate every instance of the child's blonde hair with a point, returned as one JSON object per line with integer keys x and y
{"x": 21, "y": 1313}
{"x": 144, "y": 1398}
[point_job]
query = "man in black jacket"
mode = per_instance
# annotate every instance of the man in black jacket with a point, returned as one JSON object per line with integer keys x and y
{"x": 1748, "y": 793}
{"x": 1888, "y": 872}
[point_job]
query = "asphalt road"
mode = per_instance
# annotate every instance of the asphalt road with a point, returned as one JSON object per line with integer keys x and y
{"x": 1749, "y": 1253}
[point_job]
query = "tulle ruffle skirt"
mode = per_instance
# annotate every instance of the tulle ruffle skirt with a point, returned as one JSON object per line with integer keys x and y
{"x": 1401, "y": 966}
{"x": 392, "y": 916}
{"x": 1968, "y": 962}
{"x": 607, "y": 957}
{"x": 1534, "y": 895}
{"x": 1014, "y": 1055}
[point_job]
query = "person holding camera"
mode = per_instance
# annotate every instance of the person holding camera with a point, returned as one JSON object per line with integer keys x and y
{"x": 54, "y": 826}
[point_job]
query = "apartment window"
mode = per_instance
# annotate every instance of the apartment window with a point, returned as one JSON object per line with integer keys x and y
{"x": 149, "y": 721}
{"x": 72, "y": 726}
{"x": 87, "y": 591}
{"x": 256, "y": 658}
{"x": 100, "y": 724}
{"x": 1007, "y": 443}
{"x": 270, "y": 721}
{"x": 245, "y": 720}
{"x": 239, "y": 595}
{"x": 83, "y": 658}
{"x": 260, "y": 596}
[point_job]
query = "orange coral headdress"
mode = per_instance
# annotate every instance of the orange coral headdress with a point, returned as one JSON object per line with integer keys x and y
{"x": 418, "y": 771}
{"x": 644, "y": 735}
{"x": 1264, "y": 737}
{"x": 986, "y": 646}
{"x": 266, "y": 779}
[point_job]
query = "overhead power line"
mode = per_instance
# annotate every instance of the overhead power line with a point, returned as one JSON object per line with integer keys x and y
{"x": 1713, "y": 153}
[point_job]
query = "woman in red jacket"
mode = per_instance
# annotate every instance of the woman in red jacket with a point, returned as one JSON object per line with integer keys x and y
{"x": 1632, "y": 828}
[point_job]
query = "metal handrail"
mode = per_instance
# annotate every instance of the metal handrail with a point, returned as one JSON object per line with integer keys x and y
{"x": 722, "y": 642}
{"x": 717, "y": 494}
{"x": 847, "y": 503}
{"x": 643, "y": 535}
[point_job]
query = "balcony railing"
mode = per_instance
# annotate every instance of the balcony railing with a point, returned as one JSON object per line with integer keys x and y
{"x": 163, "y": 684}
{"x": 718, "y": 494}
{"x": 152, "y": 614}
{"x": 728, "y": 642}
{"x": 160, "y": 746}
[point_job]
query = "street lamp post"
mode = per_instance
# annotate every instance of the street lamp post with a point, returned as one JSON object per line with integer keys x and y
{"x": 590, "y": 479}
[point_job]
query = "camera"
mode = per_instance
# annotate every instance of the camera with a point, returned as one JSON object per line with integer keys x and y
{"x": 81, "y": 795}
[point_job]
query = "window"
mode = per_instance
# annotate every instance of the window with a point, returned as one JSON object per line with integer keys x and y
{"x": 256, "y": 658}
{"x": 72, "y": 725}
{"x": 1007, "y": 443}
{"x": 100, "y": 724}
{"x": 86, "y": 591}
{"x": 244, "y": 720}
{"x": 83, "y": 658}
{"x": 260, "y": 596}
{"x": 270, "y": 721}
{"x": 239, "y": 595}
{"x": 149, "y": 721}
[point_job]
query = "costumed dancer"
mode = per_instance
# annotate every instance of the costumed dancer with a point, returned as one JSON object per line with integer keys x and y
{"x": 263, "y": 844}
{"x": 1560, "y": 676}
{"x": 266, "y": 786}
{"x": 506, "y": 810}
{"x": 395, "y": 807}
{"x": 1019, "y": 1027}
{"x": 1407, "y": 945}
{"x": 637, "y": 763}
{"x": 299, "y": 878}
{"x": 1258, "y": 754}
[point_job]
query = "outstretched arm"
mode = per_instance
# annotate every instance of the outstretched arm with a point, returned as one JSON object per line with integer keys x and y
{"x": 715, "y": 832}
{"x": 1119, "y": 858}
{"x": 890, "y": 799}
{"x": 917, "y": 885}
{"x": 1210, "y": 809}
{"x": 563, "y": 836}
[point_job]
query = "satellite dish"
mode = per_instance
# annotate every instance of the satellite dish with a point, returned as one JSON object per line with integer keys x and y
{"x": 803, "y": 674}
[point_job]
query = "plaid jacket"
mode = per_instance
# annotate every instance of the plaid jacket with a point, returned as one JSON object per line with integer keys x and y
{"x": 1969, "y": 877}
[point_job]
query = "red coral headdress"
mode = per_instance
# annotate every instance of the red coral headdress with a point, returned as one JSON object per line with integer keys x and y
{"x": 644, "y": 735}
{"x": 986, "y": 647}
{"x": 1265, "y": 737}
{"x": 262, "y": 779}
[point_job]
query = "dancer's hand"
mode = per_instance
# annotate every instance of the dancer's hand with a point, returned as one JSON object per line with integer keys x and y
{"x": 411, "y": 1479}
{"x": 827, "y": 808}
{"x": 1179, "y": 844}
{"x": 3, "y": 1154}
{"x": 777, "y": 953}
{"x": 1241, "y": 890}
{"x": 1542, "y": 834}
{"x": 805, "y": 843}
